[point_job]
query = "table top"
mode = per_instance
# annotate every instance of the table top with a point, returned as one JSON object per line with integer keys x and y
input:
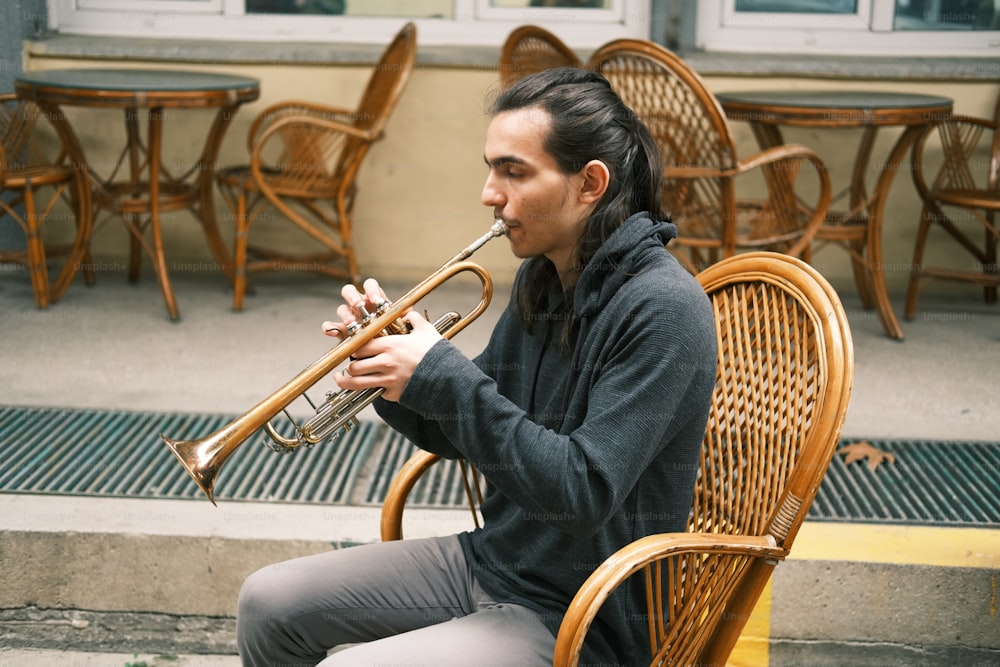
{"x": 136, "y": 87}
{"x": 832, "y": 108}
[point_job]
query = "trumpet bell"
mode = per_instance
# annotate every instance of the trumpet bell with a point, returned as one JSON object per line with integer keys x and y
{"x": 200, "y": 460}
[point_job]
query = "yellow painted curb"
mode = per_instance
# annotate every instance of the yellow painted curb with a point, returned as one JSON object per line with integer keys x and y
{"x": 872, "y": 543}
{"x": 752, "y": 648}
{"x": 914, "y": 545}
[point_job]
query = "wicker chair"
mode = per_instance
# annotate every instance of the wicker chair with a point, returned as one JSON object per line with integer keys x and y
{"x": 529, "y": 49}
{"x": 965, "y": 189}
{"x": 786, "y": 365}
{"x": 304, "y": 162}
{"x": 702, "y": 167}
{"x": 39, "y": 185}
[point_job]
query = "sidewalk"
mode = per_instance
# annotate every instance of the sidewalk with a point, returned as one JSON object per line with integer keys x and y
{"x": 44, "y": 658}
{"x": 110, "y": 346}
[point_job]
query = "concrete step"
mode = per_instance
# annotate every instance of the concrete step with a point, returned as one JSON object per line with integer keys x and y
{"x": 161, "y": 577}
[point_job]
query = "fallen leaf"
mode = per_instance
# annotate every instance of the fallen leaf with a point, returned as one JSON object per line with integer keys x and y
{"x": 858, "y": 451}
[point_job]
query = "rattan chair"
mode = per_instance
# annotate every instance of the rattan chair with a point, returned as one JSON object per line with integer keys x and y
{"x": 786, "y": 366}
{"x": 964, "y": 193}
{"x": 37, "y": 190}
{"x": 304, "y": 162}
{"x": 529, "y": 49}
{"x": 702, "y": 169}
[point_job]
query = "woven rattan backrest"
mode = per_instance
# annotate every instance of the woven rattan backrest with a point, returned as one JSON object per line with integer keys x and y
{"x": 529, "y": 49}
{"x": 969, "y": 152}
{"x": 17, "y": 121}
{"x": 311, "y": 156}
{"x": 687, "y": 123}
{"x": 784, "y": 379}
{"x": 388, "y": 80}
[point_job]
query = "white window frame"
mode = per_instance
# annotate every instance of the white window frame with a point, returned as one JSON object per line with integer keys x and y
{"x": 476, "y": 23}
{"x": 867, "y": 32}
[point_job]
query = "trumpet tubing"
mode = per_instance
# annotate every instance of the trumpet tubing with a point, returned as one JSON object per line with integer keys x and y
{"x": 203, "y": 458}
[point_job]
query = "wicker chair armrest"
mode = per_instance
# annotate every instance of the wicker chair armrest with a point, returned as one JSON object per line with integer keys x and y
{"x": 774, "y": 158}
{"x": 770, "y": 156}
{"x": 630, "y": 559}
{"x": 778, "y": 154}
{"x": 391, "y": 525}
{"x": 288, "y": 108}
{"x": 313, "y": 123}
{"x": 780, "y": 184}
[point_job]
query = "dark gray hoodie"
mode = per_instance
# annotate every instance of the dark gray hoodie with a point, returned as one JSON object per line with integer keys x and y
{"x": 584, "y": 453}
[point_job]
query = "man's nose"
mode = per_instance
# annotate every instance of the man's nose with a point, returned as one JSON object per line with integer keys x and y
{"x": 491, "y": 195}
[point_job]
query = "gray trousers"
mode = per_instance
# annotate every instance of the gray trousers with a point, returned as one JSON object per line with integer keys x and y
{"x": 411, "y": 602}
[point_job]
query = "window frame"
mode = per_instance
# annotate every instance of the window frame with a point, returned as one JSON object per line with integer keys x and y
{"x": 475, "y": 23}
{"x": 869, "y": 31}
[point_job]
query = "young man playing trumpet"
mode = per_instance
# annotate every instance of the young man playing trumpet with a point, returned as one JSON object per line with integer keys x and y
{"x": 585, "y": 412}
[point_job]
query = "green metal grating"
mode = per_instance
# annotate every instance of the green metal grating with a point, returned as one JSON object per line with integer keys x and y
{"x": 119, "y": 454}
{"x": 947, "y": 483}
{"x": 440, "y": 487}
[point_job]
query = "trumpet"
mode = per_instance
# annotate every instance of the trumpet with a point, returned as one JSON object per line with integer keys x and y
{"x": 203, "y": 458}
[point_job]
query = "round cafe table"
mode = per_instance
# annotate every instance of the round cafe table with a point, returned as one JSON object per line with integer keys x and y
{"x": 859, "y": 228}
{"x": 140, "y": 187}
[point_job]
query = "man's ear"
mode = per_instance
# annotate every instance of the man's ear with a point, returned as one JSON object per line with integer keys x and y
{"x": 596, "y": 177}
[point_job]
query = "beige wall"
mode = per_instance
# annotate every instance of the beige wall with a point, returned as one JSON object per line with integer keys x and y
{"x": 418, "y": 199}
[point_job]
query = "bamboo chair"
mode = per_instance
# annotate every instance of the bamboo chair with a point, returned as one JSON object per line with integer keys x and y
{"x": 40, "y": 186}
{"x": 304, "y": 162}
{"x": 965, "y": 189}
{"x": 786, "y": 366}
{"x": 530, "y": 49}
{"x": 701, "y": 166}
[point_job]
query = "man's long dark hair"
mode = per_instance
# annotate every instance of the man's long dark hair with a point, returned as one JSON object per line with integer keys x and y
{"x": 589, "y": 122}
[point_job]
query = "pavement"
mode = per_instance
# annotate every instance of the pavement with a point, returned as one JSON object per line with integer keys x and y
{"x": 111, "y": 346}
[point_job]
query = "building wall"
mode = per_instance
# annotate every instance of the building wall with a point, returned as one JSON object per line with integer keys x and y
{"x": 419, "y": 190}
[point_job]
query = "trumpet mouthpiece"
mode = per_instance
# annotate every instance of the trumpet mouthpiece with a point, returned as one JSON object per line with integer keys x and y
{"x": 499, "y": 227}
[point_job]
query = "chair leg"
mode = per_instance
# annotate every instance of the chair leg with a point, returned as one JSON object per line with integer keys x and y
{"x": 352, "y": 266}
{"x": 79, "y": 202}
{"x": 913, "y": 286}
{"x": 990, "y": 258}
{"x": 135, "y": 251}
{"x": 37, "y": 266}
{"x": 240, "y": 252}
{"x": 345, "y": 209}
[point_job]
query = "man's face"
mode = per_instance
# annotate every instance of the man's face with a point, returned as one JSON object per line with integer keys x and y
{"x": 541, "y": 205}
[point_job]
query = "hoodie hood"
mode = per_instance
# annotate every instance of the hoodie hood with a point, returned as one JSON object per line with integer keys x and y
{"x": 632, "y": 246}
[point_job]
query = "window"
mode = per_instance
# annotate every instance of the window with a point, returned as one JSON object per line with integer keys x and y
{"x": 580, "y": 23}
{"x": 856, "y": 27}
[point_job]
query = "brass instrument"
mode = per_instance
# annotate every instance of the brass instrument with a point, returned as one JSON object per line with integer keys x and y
{"x": 204, "y": 457}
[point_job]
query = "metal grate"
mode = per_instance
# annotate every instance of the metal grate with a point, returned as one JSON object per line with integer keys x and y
{"x": 440, "y": 487}
{"x": 930, "y": 483}
{"x": 119, "y": 453}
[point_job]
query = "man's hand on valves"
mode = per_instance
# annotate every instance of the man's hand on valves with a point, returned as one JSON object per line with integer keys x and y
{"x": 384, "y": 361}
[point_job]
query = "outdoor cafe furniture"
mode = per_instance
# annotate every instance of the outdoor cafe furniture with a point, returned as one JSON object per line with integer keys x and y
{"x": 529, "y": 49}
{"x": 702, "y": 167}
{"x": 961, "y": 198}
{"x": 304, "y": 162}
{"x": 858, "y": 229}
{"x": 146, "y": 188}
{"x": 34, "y": 186}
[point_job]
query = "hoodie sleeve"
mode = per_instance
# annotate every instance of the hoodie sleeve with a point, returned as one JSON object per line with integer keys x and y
{"x": 655, "y": 368}
{"x": 424, "y": 429}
